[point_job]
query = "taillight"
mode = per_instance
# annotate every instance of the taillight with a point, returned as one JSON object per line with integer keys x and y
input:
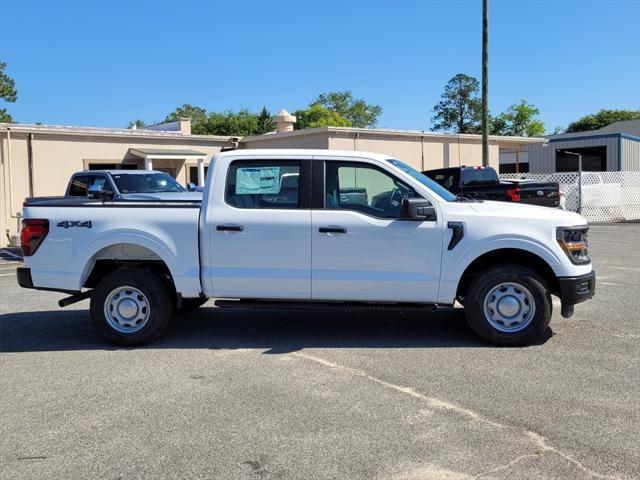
{"x": 32, "y": 235}
{"x": 514, "y": 194}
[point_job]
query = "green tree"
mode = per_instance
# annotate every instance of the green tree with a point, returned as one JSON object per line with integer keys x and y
{"x": 498, "y": 124}
{"x": 601, "y": 119}
{"x": 519, "y": 120}
{"x": 318, "y": 116}
{"x": 265, "y": 122}
{"x": 459, "y": 108}
{"x": 198, "y": 116}
{"x": 230, "y": 123}
{"x": 137, "y": 123}
{"x": 8, "y": 93}
{"x": 360, "y": 113}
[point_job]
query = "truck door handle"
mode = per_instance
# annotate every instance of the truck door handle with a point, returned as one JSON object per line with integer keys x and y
{"x": 332, "y": 229}
{"x": 229, "y": 228}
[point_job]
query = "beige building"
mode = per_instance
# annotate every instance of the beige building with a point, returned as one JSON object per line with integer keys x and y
{"x": 38, "y": 160}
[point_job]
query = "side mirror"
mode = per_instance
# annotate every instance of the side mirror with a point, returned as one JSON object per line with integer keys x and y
{"x": 192, "y": 187}
{"x": 97, "y": 192}
{"x": 417, "y": 209}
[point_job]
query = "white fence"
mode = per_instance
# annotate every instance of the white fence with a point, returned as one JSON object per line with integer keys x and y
{"x": 604, "y": 196}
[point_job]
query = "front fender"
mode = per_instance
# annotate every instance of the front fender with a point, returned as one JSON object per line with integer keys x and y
{"x": 454, "y": 265}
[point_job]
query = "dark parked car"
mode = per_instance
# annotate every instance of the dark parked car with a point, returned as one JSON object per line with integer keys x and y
{"x": 130, "y": 184}
{"x": 484, "y": 183}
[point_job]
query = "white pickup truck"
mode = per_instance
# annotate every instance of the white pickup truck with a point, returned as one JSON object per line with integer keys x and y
{"x": 308, "y": 229}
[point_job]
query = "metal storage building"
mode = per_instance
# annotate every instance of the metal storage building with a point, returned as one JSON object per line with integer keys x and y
{"x": 615, "y": 147}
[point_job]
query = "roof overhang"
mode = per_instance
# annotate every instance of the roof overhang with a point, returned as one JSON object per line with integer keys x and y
{"x": 120, "y": 133}
{"x": 503, "y": 141}
{"x": 166, "y": 153}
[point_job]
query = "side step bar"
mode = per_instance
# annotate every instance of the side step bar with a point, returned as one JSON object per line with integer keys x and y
{"x": 322, "y": 305}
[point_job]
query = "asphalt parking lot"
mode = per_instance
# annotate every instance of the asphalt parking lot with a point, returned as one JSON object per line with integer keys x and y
{"x": 325, "y": 395}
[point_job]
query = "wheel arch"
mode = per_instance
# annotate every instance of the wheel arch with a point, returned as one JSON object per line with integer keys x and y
{"x": 121, "y": 255}
{"x": 503, "y": 256}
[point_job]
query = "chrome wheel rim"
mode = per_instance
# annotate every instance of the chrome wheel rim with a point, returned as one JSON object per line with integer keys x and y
{"x": 509, "y": 307}
{"x": 127, "y": 309}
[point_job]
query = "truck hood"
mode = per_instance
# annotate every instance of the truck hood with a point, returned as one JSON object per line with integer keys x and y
{"x": 520, "y": 211}
{"x": 193, "y": 196}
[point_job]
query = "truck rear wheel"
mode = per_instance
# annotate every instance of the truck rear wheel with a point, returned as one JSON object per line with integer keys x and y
{"x": 508, "y": 305}
{"x": 131, "y": 307}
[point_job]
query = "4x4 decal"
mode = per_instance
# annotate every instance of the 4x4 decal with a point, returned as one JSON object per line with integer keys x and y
{"x": 74, "y": 223}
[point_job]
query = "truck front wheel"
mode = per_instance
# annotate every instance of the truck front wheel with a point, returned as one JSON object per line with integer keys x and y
{"x": 508, "y": 305}
{"x": 131, "y": 307}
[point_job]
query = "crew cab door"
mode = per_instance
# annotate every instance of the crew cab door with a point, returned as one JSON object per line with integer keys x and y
{"x": 362, "y": 250}
{"x": 260, "y": 229}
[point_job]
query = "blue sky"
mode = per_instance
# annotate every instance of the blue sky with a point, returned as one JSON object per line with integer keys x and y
{"x": 104, "y": 63}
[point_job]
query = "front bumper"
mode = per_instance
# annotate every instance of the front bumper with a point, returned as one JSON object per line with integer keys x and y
{"x": 577, "y": 289}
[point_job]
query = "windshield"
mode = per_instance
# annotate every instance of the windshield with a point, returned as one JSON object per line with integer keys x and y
{"x": 146, "y": 183}
{"x": 479, "y": 176}
{"x": 423, "y": 179}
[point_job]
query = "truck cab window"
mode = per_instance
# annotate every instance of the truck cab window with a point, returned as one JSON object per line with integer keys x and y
{"x": 81, "y": 183}
{"x": 365, "y": 189}
{"x": 263, "y": 184}
{"x": 100, "y": 182}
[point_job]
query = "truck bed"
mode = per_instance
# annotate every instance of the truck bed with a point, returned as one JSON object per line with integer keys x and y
{"x": 81, "y": 230}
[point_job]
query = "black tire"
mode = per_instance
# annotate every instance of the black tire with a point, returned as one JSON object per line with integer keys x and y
{"x": 191, "y": 304}
{"x": 154, "y": 293}
{"x": 485, "y": 283}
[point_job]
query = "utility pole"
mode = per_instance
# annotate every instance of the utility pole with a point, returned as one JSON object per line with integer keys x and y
{"x": 485, "y": 82}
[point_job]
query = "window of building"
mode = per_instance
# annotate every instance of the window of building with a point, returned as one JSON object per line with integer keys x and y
{"x": 193, "y": 174}
{"x": 263, "y": 184}
{"x": 523, "y": 167}
{"x": 594, "y": 159}
{"x": 113, "y": 166}
{"x": 365, "y": 189}
{"x": 512, "y": 163}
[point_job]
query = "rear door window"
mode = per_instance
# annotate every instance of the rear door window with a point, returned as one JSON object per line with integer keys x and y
{"x": 263, "y": 184}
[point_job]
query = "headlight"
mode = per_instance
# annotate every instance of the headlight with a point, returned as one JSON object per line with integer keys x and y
{"x": 574, "y": 243}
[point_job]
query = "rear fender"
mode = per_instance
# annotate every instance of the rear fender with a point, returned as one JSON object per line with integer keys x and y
{"x": 88, "y": 255}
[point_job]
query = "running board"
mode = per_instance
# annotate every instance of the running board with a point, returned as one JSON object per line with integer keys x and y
{"x": 321, "y": 305}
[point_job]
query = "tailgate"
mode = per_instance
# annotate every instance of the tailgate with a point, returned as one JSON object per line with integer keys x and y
{"x": 543, "y": 194}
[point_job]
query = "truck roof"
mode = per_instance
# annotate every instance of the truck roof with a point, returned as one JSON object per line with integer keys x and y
{"x": 463, "y": 167}
{"x": 117, "y": 172}
{"x": 303, "y": 152}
